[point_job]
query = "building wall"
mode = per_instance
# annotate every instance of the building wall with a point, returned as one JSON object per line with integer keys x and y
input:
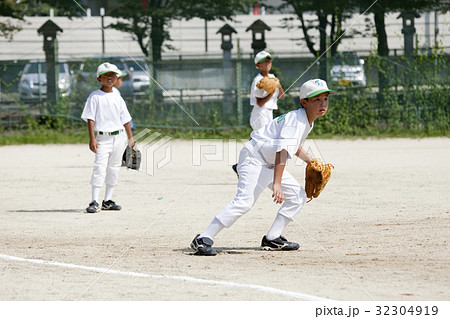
{"x": 82, "y": 37}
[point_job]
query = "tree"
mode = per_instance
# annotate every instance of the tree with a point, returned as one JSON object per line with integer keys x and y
{"x": 381, "y": 7}
{"x": 17, "y": 10}
{"x": 379, "y": 10}
{"x": 330, "y": 16}
{"x": 61, "y": 8}
{"x": 150, "y": 19}
{"x": 13, "y": 24}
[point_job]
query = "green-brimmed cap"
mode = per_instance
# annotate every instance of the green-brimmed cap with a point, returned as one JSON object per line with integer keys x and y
{"x": 261, "y": 56}
{"x": 107, "y": 67}
{"x": 314, "y": 87}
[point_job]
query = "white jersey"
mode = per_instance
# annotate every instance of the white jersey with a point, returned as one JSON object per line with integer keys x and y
{"x": 108, "y": 111}
{"x": 116, "y": 90}
{"x": 261, "y": 93}
{"x": 286, "y": 132}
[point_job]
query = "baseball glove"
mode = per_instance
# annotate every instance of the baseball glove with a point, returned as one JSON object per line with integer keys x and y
{"x": 268, "y": 84}
{"x": 317, "y": 176}
{"x": 132, "y": 158}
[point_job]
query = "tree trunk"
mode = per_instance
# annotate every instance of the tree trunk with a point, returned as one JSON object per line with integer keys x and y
{"x": 323, "y": 72}
{"x": 383, "y": 49}
{"x": 157, "y": 37}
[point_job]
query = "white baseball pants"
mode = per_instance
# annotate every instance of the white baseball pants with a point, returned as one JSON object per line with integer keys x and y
{"x": 108, "y": 159}
{"x": 260, "y": 117}
{"x": 254, "y": 177}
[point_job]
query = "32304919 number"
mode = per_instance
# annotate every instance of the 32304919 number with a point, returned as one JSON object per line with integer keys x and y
{"x": 405, "y": 310}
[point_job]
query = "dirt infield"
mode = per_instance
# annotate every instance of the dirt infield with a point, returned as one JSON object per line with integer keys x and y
{"x": 379, "y": 231}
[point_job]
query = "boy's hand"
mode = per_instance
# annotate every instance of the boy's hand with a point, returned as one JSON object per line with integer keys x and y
{"x": 131, "y": 142}
{"x": 277, "y": 195}
{"x": 93, "y": 145}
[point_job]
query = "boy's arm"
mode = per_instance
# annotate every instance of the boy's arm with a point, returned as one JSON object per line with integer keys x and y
{"x": 93, "y": 145}
{"x": 302, "y": 154}
{"x": 263, "y": 100}
{"x": 280, "y": 163}
{"x": 281, "y": 95}
{"x": 127, "y": 127}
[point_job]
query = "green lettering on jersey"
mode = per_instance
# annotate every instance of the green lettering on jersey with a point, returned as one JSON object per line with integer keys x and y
{"x": 280, "y": 118}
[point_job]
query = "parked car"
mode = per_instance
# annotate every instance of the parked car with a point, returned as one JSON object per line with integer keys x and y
{"x": 348, "y": 70}
{"x": 33, "y": 81}
{"x": 139, "y": 74}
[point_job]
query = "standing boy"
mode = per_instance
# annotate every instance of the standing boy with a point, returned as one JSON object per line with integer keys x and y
{"x": 261, "y": 164}
{"x": 106, "y": 113}
{"x": 263, "y": 102}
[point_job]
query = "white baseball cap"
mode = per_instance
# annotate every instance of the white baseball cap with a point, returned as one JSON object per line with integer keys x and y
{"x": 261, "y": 56}
{"x": 314, "y": 87}
{"x": 107, "y": 67}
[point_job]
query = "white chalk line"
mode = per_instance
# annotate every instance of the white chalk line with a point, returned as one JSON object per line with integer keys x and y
{"x": 287, "y": 293}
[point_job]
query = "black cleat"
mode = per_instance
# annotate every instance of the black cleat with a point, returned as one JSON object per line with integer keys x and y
{"x": 202, "y": 246}
{"x": 110, "y": 205}
{"x": 234, "y": 167}
{"x": 94, "y": 207}
{"x": 279, "y": 243}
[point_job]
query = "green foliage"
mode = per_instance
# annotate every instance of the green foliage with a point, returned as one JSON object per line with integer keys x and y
{"x": 151, "y": 24}
{"x": 43, "y": 136}
{"x": 8, "y": 27}
{"x": 420, "y": 107}
{"x": 61, "y": 8}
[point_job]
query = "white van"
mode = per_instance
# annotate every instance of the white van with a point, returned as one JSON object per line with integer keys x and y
{"x": 348, "y": 70}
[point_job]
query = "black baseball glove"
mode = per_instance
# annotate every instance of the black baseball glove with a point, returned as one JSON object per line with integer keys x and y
{"x": 132, "y": 158}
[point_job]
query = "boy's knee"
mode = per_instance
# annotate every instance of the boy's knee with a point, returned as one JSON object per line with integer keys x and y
{"x": 242, "y": 204}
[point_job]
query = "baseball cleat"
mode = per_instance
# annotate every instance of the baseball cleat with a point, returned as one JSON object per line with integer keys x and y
{"x": 234, "y": 167}
{"x": 94, "y": 207}
{"x": 202, "y": 246}
{"x": 279, "y": 243}
{"x": 110, "y": 205}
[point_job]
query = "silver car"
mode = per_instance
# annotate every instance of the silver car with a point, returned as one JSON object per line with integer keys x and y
{"x": 139, "y": 75}
{"x": 33, "y": 81}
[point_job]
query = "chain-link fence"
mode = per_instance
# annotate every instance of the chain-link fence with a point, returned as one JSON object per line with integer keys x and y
{"x": 375, "y": 93}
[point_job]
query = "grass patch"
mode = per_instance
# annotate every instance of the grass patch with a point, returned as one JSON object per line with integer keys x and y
{"x": 44, "y": 136}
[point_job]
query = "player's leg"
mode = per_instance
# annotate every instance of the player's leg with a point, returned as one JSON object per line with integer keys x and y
{"x": 99, "y": 172}
{"x": 253, "y": 179}
{"x": 260, "y": 117}
{"x": 113, "y": 169}
{"x": 294, "y": 199}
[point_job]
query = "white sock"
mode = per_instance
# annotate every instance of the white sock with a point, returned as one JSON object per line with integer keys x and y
{"x": 278, "y": 226}
{"x": 109, "y": 192}
{"x": 213, "y": 229}
{"x": 95, "y": 193}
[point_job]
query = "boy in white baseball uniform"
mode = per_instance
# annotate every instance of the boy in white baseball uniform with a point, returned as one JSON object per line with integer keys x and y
{"x": 106, "y": 113}
{"x": 261, "y": 164}
{"x": 263, "y": 102}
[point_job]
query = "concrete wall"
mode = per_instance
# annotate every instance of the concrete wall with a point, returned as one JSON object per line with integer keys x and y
{"x": 82, "y": 37}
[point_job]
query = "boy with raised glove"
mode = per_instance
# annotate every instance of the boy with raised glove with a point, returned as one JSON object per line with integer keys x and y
{"x": 262, "y": 164}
